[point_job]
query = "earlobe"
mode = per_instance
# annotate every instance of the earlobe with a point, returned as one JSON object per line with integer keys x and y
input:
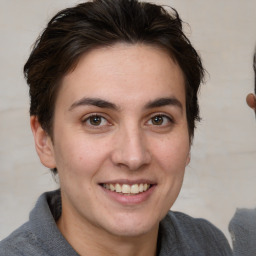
{"x": 43, "y": 143}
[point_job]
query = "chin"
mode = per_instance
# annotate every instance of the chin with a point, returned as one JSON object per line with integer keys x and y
{"x": 130, "y": 232}
{"x": 132, "y": 229}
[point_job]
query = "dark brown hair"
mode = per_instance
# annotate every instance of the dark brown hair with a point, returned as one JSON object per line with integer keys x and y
{"x": 74, "y": 31}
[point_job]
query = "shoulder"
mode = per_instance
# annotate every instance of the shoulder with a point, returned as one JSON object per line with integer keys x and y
{"x": 198, "y": 226}
{"x": 242, "y": 228}
{"x": 31, "y": 237}
{"x": 40, "y": 235}
{"x": 20, "y": 242}
{"x": 196, "y": 236}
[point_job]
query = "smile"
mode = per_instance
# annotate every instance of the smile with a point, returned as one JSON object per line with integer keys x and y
{"x": 126, "y": 188}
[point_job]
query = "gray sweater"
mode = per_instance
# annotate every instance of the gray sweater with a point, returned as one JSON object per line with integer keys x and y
{"x": 179, "y": 234}
{"x": 243, "y": 232}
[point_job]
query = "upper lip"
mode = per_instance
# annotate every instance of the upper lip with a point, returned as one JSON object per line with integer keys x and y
{"x": 129, "y": 182}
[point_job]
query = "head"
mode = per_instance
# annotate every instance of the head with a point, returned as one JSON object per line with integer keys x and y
{"x": 113, "y": 86}
{"x": 251, "y": 98}
{"x": 74, "y": 31}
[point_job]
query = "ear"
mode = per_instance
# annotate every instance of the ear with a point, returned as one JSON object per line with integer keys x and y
{"x": 251, "y": 100}
{"x": 43, "y": 143}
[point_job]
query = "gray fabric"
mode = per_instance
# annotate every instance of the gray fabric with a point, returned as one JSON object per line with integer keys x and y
{"x": 187, "y": 236}
{"x": 242, "y": 228}
{"x": 179, "y": 234}
{"x": 40, "y": 235}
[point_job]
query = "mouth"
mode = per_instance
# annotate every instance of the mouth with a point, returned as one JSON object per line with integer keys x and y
{"x": 127, "y": 189}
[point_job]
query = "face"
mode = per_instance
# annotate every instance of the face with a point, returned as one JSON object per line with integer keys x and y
{"x": 121, "y": 139}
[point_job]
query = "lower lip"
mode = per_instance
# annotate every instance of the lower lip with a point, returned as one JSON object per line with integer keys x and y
{"x": 130, "y": 199}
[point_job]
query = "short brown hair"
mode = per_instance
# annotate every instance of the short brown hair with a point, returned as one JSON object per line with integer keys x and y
{"x": 74, "y": 31}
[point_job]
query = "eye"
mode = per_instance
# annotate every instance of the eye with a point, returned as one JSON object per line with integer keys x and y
{"x": 160, "y": 120}
{"x": 95, "y": 120}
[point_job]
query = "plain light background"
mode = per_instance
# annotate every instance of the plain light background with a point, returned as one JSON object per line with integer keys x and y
{"x": 222, "y": 174}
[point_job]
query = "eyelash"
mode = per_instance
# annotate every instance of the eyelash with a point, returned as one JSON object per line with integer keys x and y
{"x": 90, "y": 117}
{"x": 162, "y": 116}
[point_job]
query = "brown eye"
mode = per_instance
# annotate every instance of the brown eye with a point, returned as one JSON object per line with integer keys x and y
{"x": 95, "y": 120}
{"x": 157, "y": 120}
{"x": 96, "y": 123}
{"x": 160, "y": 120}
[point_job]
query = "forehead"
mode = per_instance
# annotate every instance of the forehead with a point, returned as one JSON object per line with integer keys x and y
{"x": 134, "y": 71}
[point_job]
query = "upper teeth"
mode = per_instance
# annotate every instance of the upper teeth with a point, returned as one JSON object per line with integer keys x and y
{"x": 126, "y": 188}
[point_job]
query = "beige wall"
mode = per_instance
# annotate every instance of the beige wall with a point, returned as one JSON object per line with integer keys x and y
{"x": 222, "y": 173}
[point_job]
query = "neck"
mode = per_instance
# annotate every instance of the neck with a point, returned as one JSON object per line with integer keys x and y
{"x": 93, "y": 241}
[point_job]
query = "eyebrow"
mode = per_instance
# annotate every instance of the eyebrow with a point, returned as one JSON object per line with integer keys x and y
{"x": 161, "y": 102}
{"x": 94, "y": 102}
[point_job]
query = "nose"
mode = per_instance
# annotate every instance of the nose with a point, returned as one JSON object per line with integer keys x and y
{"x": 131, "y": 149}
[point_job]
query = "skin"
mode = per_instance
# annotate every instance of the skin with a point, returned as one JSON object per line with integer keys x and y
{"x": 141, "y": 135}
{"x": 251, "y": 101}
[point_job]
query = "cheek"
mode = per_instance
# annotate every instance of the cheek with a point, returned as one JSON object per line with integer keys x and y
{"x": 173, "y": 155}
{"x": 80, "y": 157}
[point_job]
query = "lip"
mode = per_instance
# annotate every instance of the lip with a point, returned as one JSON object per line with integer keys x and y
{"x": 131, "y": 199}
{"x": 129, "y": 182}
